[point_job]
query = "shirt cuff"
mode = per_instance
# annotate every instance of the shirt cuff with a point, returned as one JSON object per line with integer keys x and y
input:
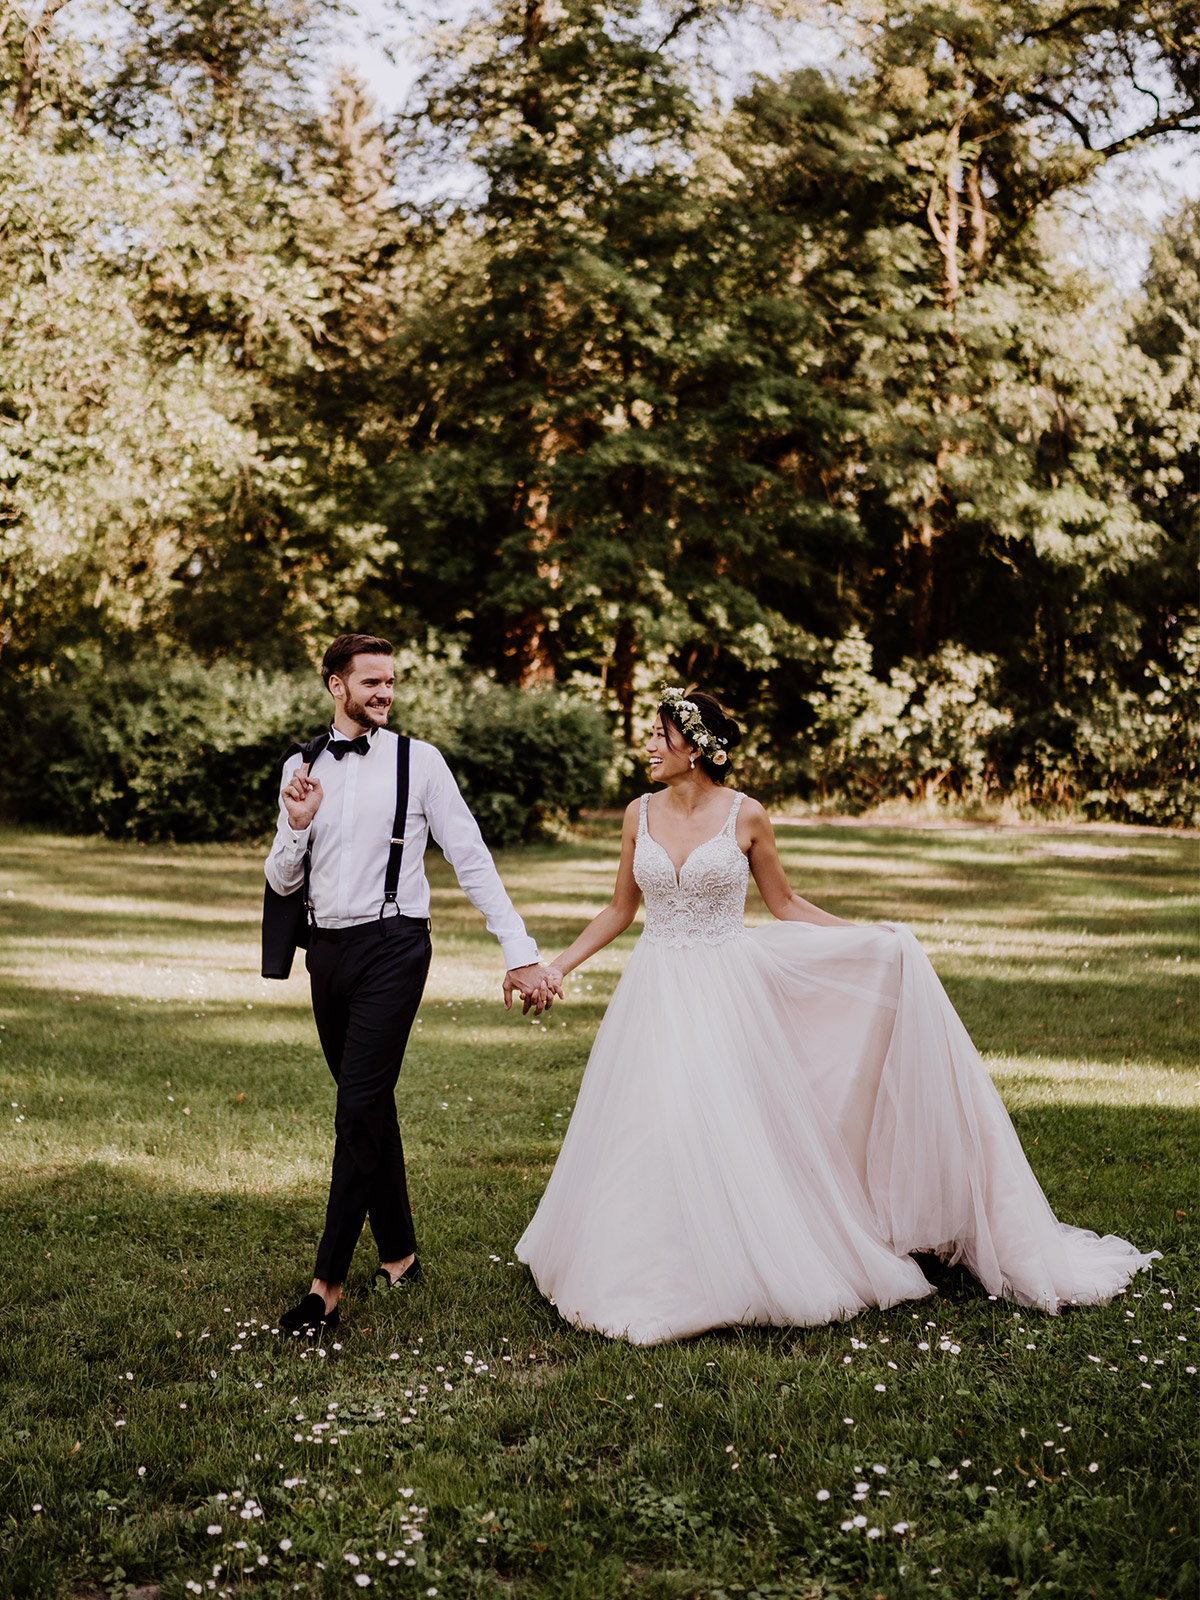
{"x": 299, "y": 837}
{"x": 519, "y": 952}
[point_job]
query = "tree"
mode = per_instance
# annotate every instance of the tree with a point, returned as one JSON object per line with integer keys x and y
{"x": 190, "y": 271}
{"x": 664, "y": 388}
{"x": 603, "y": 426}
{"x": 936, "y": 172}
{"x": 1165, "y": 470}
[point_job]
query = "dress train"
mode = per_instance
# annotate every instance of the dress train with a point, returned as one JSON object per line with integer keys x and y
{"x": 771, "y": 1119}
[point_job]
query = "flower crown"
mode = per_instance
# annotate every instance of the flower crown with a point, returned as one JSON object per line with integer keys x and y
{"x": 690, "y": 719}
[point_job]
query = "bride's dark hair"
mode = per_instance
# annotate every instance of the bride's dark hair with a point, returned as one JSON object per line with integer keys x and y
{"x": 717, "y": 721}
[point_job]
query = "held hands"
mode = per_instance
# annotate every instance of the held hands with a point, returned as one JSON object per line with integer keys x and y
{"x": 302, "y": 796}
{"x": 538, "y": 987}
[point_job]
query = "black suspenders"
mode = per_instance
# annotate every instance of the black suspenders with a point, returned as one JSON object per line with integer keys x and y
{"x": 287, "y": 918}
{"x": 391, "y": 877}
{"x": 396, "y": 854}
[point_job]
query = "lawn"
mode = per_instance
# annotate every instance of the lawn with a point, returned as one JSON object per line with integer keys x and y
{"x": 164, "y": 1157}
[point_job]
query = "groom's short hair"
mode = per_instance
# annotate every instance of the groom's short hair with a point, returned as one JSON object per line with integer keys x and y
{"x": 345, "y": 647}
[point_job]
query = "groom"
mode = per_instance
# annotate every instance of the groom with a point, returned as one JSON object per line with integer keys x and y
{"x": 341, "y": 819}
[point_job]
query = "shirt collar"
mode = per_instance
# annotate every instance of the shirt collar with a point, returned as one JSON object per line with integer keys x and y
{"x": 345, "y": 739}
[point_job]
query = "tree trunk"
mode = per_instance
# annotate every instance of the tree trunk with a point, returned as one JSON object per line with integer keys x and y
{"x": 526, "y": 658}
{"x": 534, "y": 32}
{"x": 523, "y": 657}
{"x": 921, "y": 566}
{"x": 946, "y": 232}
{"x": 925, "y": 536}
{"x": 978, "y": 246}
{"x": 624, "y": 665}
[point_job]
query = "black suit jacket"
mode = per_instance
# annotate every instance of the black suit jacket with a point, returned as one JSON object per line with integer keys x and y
{"x": 285, "y": 916}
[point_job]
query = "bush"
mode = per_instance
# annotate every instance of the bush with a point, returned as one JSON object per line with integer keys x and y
{"x": 933, "y": 731}
{"x": 154, "y": 749}
{"x": 924, "y": 734}
{"x": 151, "y": 749}
{"x": 1131, "y": 755}
{"x": 523, "y": 759}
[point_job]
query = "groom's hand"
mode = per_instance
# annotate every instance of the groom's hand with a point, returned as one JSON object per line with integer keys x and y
{"x": 528, "y": 983}
{"x": 302, "y": 796}
{"x": 534, "y": 986}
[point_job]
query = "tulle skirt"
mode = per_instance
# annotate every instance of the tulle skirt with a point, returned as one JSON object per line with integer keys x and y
{"x": 767, "y": 1127}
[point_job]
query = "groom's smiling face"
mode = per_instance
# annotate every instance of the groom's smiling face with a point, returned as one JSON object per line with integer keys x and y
{"x": 365, "y": 691}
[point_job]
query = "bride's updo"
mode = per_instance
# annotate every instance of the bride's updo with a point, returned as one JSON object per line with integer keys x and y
{"x": 723, "y": 733}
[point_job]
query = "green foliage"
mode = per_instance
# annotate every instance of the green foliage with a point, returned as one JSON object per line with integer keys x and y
{"x": 184, "y": 272}
{"x": 526, "y": 759}
{"x": 926, "y": 732}
{"x": 155, "y": 749}
{"x": 1139, "y": 748}
{"x": 668, "y": 387}
{"x": 934, "y": 731}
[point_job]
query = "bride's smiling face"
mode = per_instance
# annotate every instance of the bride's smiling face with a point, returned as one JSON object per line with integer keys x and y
{"x": 668, "y": 753}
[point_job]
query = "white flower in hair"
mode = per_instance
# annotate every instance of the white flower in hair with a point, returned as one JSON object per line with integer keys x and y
{"x": 690, "y": 719}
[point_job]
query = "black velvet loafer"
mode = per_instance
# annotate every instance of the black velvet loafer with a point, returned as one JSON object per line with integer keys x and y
{"x": 384, "y": 1280}
{"x": 310, "y": 1317}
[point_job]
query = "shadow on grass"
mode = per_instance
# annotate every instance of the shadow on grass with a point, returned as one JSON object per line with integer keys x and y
{"x": 118, "y": 1268}
{"x": 137, "y": 1240}
{"x": 1105, "y": 1019}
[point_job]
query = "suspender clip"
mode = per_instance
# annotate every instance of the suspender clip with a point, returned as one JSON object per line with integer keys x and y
{"x": 391, "y": 877}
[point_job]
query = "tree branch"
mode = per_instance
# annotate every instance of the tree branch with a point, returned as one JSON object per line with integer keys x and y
{"x": 35, "y": 38}
{"x": 1184, "y": 121}
{"x": 935, "y": 227}
{"x": 974, "y": 188}
{"x": 1060, "y": 23}
{"x": 686, "y": 17}
{"x": 1158, "y": 110}
{"x": 1081, "y": 127}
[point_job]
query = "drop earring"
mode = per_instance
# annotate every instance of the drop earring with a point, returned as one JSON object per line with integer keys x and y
{"x": 691, "y": 761}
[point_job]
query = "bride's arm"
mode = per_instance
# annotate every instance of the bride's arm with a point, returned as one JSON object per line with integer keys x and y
{"x": 619, "y": 912}
{"x": 769, "y": 875}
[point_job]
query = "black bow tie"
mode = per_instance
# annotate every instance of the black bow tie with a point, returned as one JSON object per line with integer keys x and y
{"x": 343, "y": 747}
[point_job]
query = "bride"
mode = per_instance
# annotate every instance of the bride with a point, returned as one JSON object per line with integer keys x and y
{"x": 773, "y": 1118}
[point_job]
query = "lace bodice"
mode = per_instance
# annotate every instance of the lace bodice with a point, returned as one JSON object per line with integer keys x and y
{"x": 706, "y": 903}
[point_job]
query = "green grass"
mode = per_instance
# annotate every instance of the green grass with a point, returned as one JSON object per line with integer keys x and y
{"x": 163, "y": 1187}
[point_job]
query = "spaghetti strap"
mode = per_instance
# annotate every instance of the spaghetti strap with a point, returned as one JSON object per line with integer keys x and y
{"x": 642, "y": 829}
{"x": 731, "y": 820}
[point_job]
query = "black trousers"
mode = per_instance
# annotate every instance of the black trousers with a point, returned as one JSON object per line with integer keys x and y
{"x": 367, "y": 982}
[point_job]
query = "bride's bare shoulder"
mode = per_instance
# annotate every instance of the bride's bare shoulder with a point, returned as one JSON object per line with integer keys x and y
{"x": 752, "y": 810}
{"x": 753, "y": 823}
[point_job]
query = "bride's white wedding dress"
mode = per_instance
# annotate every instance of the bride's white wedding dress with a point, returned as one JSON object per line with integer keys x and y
{"x": 772, "y": 1118}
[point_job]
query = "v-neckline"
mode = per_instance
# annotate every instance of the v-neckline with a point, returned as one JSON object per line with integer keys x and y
{"x": 678, "y": 871}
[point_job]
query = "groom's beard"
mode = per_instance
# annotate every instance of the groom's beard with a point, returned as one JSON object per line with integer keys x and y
{"x": 356, "y": 710}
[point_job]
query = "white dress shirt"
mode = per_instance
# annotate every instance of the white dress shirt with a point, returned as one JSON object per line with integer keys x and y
{"x": 351, "y": 838}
